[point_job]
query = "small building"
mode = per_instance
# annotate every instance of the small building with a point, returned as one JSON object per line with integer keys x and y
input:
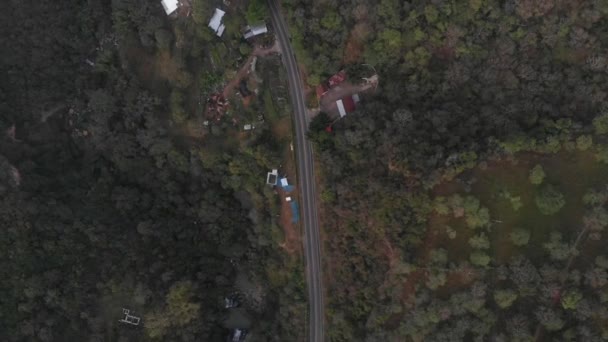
{"x": 216, "y": 22}
{"x": 170, "y": 6}
{"x": 272, "y": 177}
{"x": 284, "y": 182}
{"x": 231, "y": 302}
{"x": 347, "y": 105}
{"x": 248, "y": 127}
{"x": 238, "y": 335}
{"x": 129, "y": 319}
{"x": 255, "y": 30}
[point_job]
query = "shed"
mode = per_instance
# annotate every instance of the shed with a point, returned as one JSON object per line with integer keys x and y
{"x": 255, "y": 30}
{"x": 284, "y": 182}
{"x": 272, "y": 177}
{"x": 170, "y": 6}
{"x": 216, "y": 22}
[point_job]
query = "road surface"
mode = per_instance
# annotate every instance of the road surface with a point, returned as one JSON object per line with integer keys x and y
{"x": 306, "y": 179}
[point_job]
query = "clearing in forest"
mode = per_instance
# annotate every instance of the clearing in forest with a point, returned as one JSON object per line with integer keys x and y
{"x": 529, "y": 229}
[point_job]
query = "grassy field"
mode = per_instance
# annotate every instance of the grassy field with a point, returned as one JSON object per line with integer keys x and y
{"x": 497, "y": 183}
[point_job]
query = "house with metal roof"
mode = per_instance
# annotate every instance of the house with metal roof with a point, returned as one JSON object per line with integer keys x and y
{"x": 347, "y": 104}
{"x": 216, "y": 22}
{"x": 170, "y": 6}
{"x": 255, "y": 30}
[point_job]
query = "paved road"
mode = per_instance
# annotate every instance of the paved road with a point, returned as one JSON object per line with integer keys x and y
{"x": 306, "y": 178}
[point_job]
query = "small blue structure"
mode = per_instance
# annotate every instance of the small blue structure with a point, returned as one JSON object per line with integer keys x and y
{"x": 283, "y": 184}
{"x": 295, "y": 212}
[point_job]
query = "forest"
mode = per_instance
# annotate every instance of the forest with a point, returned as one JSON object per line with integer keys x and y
{"x": 464, "y": 200}
{"x": 114, "y": 195}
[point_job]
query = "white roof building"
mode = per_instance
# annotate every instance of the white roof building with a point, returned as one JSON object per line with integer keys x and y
{"x": 170, "y": 6}
{"x": 216, "y": 22}
{"x": 284, "y": 182}
{"x": 255, "y": 30}
{"x": 341, "y": 108}
{"x": 272, "y": 177}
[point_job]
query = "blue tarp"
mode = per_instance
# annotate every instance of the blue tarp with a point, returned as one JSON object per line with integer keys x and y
{"x": 295, "y": 213}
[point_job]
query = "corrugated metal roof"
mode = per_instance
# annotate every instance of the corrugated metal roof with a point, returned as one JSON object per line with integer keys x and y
{"x": 341, "y": 108}
{"x": 216, "y": 22}
{"x": 255, "y": 30}
{"x": 169, "y": 5}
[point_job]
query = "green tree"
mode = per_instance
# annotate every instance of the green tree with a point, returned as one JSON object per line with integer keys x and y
{"x": 317, "y": 131}
{"x": 479, "y": 258}
{"x": 556, "y": 248}
{"x": 256, "y": 11}
{"x": 600, "y": 123}
{"x": 505, "y": 298}
{"x": 549, "y": 201}
{"x": 157, "y": 324}
{"x": 520, "y": 236}
{"x": 179, "y": 303}
{"x": 602, "y": 261}
{"x": 478, "y": 218}
{"x": 584, "y": 142}
{"x": 435, "y": 280}
{"x": 550, "y": 319}
{"x": 440, "y": 206}
{"x": 479, "y": 241}
{"x": 438, "y": 257}
{"x": 570, "y": 299}
{"x": 163, "y": 38}
{"x": 537, "y": 175}
{"x": 178, "y": 113}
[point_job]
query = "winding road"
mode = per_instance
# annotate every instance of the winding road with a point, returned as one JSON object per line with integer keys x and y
{"x": 306, "y": 179}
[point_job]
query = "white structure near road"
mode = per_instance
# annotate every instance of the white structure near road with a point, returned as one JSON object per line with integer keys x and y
{"x": 255, "y": 30}
{"x": 272, "y": 177}
{"x": 284, "y": 182}
{"x": 216, "y": 22}
{"x": 170, "y": 6}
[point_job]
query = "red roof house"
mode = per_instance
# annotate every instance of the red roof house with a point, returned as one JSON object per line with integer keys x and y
{"x": 337, "y": 79}
{"x": 333, "y": 81}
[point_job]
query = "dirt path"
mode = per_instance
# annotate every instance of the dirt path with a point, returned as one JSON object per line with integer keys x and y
{"x": 245, "y": 70}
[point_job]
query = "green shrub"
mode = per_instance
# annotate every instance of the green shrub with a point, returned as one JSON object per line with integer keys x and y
{"x": 520, "y": 237}
{"x": 479, "y": 258}
{"x": 571, "y": 299}
{"x": 537, "y": 175}
{"x": 600, "y": 123}
{"x": 549, "y": 201}
{"x": 479, "y": 241}
{"x": 505, "y": 298}
{"x": 584, "y": 142}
